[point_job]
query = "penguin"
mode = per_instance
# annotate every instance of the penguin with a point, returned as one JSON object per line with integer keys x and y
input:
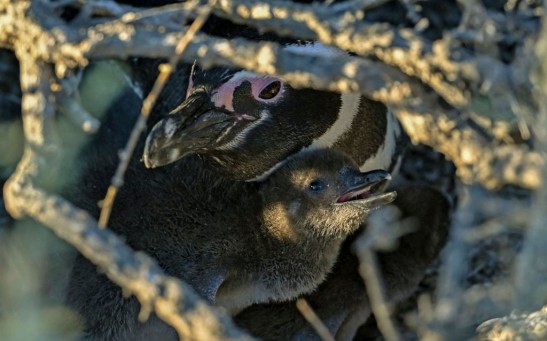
{"x": 149, "y": 186}
{"x": 340, "y": 301}
{"x": 248, "y": 124}
{"x": 236, "y": 243}
{"x": 309, "y": 207}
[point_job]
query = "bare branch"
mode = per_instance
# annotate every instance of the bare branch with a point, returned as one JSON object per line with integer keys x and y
{"x": 312, "y": 318}
{"x": 525, "y": 326}
{"x": 478, "y": 158}
{"x": 365, "y": 248}
{"x": 402, "y": 48}
{"x": 172, "y": 300}
{"x": 531, "y": 272}
{"x": 369, "y": 270}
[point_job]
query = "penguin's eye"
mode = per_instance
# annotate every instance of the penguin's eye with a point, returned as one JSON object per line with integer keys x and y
{"x": 271, "y": 90}
{"x": 317, "y": 186}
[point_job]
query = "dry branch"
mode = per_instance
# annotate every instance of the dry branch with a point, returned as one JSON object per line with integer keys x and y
{"x": 370, "y": 271}
{"x": 390, "y": 80}
{"x": 307, "y": 312}
{"x": 524, "y": 325}
{"x": 402, "y": 48}
{"x": 531, "y": 272}
{"x": 477, "y": 158}
{"x": 172, "y": 300}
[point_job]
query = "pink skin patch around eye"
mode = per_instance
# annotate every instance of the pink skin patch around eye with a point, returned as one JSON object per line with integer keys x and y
{"x": 223, "y": 97}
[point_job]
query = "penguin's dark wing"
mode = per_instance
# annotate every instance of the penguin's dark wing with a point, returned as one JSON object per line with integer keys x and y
{"x": 108, "y": 315}
{"x": 341, "y": 301}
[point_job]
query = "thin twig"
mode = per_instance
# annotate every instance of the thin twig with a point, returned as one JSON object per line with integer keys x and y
{"x": 314, "y": 320}
{"x": 148, "y": 104}
{"x": 370, "y": 272}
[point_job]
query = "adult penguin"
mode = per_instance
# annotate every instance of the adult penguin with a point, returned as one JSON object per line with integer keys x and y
{"x": 248, "y": 123}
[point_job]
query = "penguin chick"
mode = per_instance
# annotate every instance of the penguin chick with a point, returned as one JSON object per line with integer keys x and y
{"x": 236, "y": 243}
{"x": 309, "y": 207}
{"x": 341, "y": 301}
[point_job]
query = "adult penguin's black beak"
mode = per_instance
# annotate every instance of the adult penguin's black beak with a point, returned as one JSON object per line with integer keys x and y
{"x": 194, "y": 126}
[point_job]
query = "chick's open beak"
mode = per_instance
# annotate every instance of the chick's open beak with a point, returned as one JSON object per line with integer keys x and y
{"x": 365, "y": 189}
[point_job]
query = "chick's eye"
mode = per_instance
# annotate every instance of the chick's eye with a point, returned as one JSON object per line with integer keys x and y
{"x": 271, "y": 90}
{"x": 317, "y": 186}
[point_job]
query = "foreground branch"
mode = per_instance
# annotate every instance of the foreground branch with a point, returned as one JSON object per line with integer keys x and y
{"x": 171, "y": 299}
{"x": 404, "y": 49}
{"x": 377, "y": 80}
{"x": 477, "y": 158}
{"x": 527, "y": 325}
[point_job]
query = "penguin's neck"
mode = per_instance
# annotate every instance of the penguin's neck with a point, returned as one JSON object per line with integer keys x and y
{"x": 296, "y": 242}
{"x": 296, "y": 265}
{"x": 285, "y": 265}
{"x": 365, "y": 130}
{"x": 370, "y": 133}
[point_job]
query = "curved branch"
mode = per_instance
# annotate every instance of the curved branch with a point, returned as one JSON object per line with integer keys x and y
{"x": 477, "y": 158}
{"x": 123, "y": 38}
{"x": 402, "y": 48}
{"x": 25, "y": 196}
{"x": 172, "y": 300}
